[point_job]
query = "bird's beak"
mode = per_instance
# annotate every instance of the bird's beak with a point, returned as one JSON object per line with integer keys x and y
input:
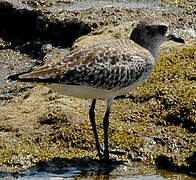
{"x": 175, "y": 38}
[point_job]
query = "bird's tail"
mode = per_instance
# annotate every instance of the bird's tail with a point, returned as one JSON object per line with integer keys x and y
{"x": 15, "y": 77}
{"x": 30, "y": 76}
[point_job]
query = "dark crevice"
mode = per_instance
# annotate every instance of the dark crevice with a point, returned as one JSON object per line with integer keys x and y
{"x": 165, "y": 162}
{"x": 182, "y": 117}
{"x": 27, "y": 30}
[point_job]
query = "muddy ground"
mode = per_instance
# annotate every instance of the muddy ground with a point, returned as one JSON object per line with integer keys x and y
{"x": 155, "y": 125}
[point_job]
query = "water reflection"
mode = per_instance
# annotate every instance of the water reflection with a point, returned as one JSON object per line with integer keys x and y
{"x": 87, "y": 168}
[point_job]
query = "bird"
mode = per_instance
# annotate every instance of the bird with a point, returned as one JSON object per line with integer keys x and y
{"x": 105, "y": 70}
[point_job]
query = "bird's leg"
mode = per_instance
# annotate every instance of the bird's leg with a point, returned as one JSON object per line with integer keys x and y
{"x": 93, "y": 123}
{"x": 105, "y": 128}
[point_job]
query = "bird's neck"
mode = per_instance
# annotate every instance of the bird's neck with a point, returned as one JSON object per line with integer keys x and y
{"x": 153, "y": 47}
{"x": 154, "y": 50}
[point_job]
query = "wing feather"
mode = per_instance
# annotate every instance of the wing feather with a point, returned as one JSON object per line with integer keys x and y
{"x": 113, "y": 76}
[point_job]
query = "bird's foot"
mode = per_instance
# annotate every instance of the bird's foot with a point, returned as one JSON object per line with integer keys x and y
{"x": 104, "y": 154}
{"x": 100, "y": 152}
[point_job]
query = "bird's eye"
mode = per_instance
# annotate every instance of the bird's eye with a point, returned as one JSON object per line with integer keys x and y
{"x": 151, "y": 30}
{"x": 148, "y": 28}
{"x": 162, "y": 29}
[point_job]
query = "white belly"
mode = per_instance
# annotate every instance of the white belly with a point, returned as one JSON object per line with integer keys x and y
{"x": 90, "y": 92}
{"x": 80, "y": 91}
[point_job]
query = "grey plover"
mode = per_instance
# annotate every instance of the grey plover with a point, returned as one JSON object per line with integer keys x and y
{"x": 107, "y": 69}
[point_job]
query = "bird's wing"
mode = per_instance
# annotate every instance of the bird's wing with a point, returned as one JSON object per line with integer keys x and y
{"x": 110, "y": 76}
{"x": 104, "y": 65}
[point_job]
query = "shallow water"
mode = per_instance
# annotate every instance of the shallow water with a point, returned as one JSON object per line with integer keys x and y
{"x": 88, "y": 4}
{"x": 59, "y": 177}
{"x": 96, "y": 171}
{"x": 77, "y": 175}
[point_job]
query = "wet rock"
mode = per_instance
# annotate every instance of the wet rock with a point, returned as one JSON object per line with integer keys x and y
{"x": 165, "y": 162}
{"x": 25, "y": 24}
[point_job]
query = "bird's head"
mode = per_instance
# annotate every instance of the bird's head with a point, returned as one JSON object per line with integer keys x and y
{"x": 151, "y": 32}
